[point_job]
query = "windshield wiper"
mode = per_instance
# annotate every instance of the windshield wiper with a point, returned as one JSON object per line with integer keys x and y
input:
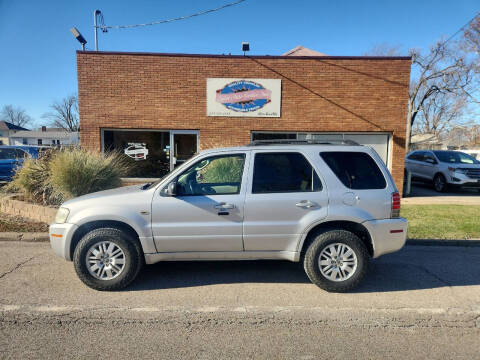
{"x": 145, "y": 186}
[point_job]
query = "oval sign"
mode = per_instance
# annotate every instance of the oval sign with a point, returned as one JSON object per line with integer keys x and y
{"x": 243, "y": 96}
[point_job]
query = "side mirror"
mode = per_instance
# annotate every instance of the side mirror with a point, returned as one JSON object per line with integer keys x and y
{"x": 171, "y": 189}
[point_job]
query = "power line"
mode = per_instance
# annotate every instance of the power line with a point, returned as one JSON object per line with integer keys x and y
{"x": 104, "y": 27}
{"x": 461, "y": 29}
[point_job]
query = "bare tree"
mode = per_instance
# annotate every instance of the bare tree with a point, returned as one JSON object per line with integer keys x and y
{"x": 470, "y": 43}
{"x": 15, "y": 115}
{"x": 384, "y": 49}
{"x": 471, "y": 36}
{"x": 441, "y": 113}
{"x": 443, "y": 72}
{"x": 64, "y": 114}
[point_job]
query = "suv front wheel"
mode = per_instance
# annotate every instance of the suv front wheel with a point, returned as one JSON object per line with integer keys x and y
{"x": 107, "y": 259}
{"x": 336, "y": 261}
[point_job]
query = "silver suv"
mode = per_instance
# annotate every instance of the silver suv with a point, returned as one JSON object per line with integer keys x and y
{"x": 444, "y": 168}
{"x": 330, "y": 206}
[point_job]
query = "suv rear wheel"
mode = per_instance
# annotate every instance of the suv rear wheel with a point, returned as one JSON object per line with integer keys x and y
{"x": 107, "y": 259}
{"x": 336, "y": 261}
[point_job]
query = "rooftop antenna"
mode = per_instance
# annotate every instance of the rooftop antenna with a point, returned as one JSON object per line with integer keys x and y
{"x": 97, "y": 14}
{"x": 245, "y": 47}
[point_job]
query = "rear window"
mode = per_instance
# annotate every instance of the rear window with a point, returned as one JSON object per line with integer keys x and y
{"x": 416, "y": 156}
{"x": 356, "y": 170}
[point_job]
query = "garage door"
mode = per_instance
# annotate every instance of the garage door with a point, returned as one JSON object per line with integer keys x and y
{"x": 379, "y": 142}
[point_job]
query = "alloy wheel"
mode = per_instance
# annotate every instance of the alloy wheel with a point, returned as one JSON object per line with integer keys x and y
{"x": 337, "y": 262}
{"x": 105, "y": 260}
{"x": 439, "y": 183}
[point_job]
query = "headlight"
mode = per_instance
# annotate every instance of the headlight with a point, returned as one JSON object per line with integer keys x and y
{"x": 62, "y": 215}
{"x": 458, "y": 170}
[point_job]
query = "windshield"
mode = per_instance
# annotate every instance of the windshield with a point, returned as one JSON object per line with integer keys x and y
{"x": 455, "y": 157}
{"x": 149, "y": 186}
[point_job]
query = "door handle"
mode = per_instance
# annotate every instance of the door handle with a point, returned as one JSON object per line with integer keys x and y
{"x": 224, "y": 205}
{"x": 306, "y": 204}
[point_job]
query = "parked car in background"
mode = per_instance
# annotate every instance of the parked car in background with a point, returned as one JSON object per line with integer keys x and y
{"x": 12, "y": 157}
{"x": 444, "y": 168}
{"x": 330, "y": 206}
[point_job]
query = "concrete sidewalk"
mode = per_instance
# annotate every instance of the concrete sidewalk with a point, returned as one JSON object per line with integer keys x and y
{"x": 442, "y": 200}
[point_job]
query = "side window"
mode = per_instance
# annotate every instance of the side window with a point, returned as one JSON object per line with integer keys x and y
{"x": 415, "y": 156}
{"x": 356, "y": 170}
{"x": 7, "y": 154}
{"x": 21, "y": 154}
{"x": 422, "y": 156}
{"x": 429, "y": 158}
{"x": 216, "y": 175}
{"x": 283, "y": 172}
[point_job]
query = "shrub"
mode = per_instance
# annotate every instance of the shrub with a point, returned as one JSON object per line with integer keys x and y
{"x": 61, "y": 175}
{"x": 78, "y": 172}
{"x": 32, "y": 180}
{"x": 223, "y": 170}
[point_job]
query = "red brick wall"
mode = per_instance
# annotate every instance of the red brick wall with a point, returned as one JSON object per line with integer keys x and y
{"x": 159, "y": 91}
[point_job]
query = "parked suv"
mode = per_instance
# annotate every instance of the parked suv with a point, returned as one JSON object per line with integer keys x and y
{"x": 330, "y": 206}
{"x": 444, "y": 168}
{"x": 12, "y": 157}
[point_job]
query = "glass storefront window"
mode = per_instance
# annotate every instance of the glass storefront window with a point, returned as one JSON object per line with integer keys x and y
{"x": 148, "y": 151}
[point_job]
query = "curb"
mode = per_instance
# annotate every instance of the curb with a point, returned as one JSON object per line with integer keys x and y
{"x": 442, "y": 242}
{"x": 24, "y": 237}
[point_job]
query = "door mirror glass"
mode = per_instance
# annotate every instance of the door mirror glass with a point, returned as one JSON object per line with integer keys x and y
{"x": 171, "y": 189}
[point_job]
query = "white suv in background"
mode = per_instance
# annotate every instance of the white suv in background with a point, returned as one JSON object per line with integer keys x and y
{"x": 444, "y": 168}
{"x": 330, "y": 206}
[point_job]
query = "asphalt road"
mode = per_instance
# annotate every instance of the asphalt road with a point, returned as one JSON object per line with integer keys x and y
{"x": 420, "y": 302}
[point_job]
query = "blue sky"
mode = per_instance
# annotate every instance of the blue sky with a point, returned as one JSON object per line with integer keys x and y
{"x": 37, "y": 62}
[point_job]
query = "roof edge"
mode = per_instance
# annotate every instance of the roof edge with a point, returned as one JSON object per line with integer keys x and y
{"x": 90, "y": 52}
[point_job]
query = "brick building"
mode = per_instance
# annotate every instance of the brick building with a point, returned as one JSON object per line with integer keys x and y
{"x": 159, "y": 109}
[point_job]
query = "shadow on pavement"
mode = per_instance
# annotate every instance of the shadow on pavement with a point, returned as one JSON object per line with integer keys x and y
{"x": 167, "y": 275}
{"x": 413, "y": 268}
{"x": 426, "y": 190}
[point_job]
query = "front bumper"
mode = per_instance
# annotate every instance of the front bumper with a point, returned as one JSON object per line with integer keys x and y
{"x": 60, "y": 239}
{"x": 462, "y": 180}
{"x": 388, "y": 235}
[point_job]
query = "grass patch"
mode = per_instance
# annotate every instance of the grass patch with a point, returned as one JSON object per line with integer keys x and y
{"x": 442, "y": 221}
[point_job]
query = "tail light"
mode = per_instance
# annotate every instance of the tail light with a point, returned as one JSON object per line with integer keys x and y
{"x": 395, "y": 205}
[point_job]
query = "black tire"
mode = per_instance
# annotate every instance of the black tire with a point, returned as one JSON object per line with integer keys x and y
{"x": 133, "y": 258}
{"x": 439, "y": 183}
{"x": 323, "y": 240}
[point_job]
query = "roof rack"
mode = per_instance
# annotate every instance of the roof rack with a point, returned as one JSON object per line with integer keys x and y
{"x": 303, "y": 142}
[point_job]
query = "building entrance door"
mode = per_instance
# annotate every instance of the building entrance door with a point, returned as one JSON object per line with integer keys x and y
{"x": 183, "y": 145}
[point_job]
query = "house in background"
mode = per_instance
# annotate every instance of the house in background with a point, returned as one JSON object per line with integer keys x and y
{"x": 426, "y": 141}
{"x": 45, "y": 137}
{"x": 7, "y": 130}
